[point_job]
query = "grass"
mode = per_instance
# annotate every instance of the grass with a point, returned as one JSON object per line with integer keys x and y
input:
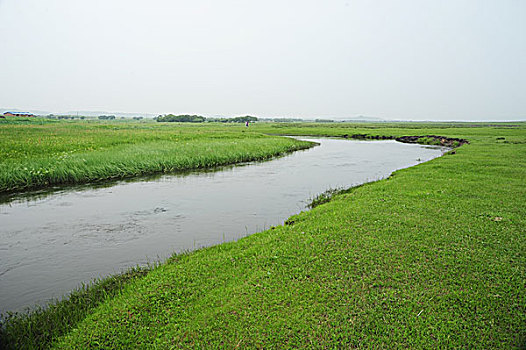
{"x": 37, "y": 153}
{"x": 432, "y": 257}
{"x": 37, "y": 328}
{"x": 325, "y": 197}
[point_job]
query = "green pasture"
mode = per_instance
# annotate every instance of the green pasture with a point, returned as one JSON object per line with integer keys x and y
{"x": 432, "y": 257}
{"x": 38, "y": 153}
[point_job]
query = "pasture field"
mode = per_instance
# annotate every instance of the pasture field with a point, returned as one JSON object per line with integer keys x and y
{"x": 39, "y": 153}
{"x": 432, "y": 257}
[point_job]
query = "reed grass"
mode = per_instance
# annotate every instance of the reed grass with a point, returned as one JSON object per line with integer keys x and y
{"x": 39, "y": 154}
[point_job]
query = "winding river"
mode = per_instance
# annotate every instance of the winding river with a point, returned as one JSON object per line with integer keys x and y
{"x": 53, "y": 241}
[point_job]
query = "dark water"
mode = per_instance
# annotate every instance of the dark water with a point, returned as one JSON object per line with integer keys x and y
{"x": 50, "y": 243}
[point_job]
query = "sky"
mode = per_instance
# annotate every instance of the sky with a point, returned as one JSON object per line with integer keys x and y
{"x": 339, "y": 59}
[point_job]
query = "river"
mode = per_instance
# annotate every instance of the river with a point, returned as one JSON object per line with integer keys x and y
{"x": 51, "y": 242}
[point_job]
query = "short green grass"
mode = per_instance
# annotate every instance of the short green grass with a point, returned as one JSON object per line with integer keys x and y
{"x": 38, "y": 153}
{"x": 433, "y": 257}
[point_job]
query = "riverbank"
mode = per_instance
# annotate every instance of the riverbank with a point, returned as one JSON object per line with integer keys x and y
{"x": 38, "y": 153}
{"x": 431, "y": 257}
{"x": 79, "y": 233}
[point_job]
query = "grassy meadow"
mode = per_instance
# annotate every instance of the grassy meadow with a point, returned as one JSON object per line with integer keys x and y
{"x": 432, "y": 257}
{"x": 38, "y": 153}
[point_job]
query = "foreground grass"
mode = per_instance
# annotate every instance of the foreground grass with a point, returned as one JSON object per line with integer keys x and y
{"x": 39, "y": 327}
{"x": 39, "y": 153}
{"x": 432, "y": 257}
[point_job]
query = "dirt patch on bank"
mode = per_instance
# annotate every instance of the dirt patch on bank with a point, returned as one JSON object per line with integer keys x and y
{"x": 433, "y": 140}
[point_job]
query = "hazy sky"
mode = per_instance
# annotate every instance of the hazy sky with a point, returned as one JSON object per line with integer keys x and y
{"x": 435, "y": 60}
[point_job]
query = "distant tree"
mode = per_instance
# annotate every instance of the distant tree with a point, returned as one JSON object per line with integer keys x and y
{"x": 106, "y": 117}
{"x": 184, "y": 118}
{"x": 244, "y": 119}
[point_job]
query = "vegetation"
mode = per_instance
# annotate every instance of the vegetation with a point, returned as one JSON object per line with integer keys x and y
{"x": 38, "y": 153}
{"x": 244, "y": 119}
{"x": 106, "y": 117}
{"x": 432, "y": 257}
{"x": 181, "y": 118}
{"x": 38, "y": 328}
{"x": 324, "y": 197}
{"x": 199, "y": 119}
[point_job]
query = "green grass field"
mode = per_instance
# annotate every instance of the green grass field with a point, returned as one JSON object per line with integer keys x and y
{"x": 433, "y": 257}
{"x": 38, "y": 153}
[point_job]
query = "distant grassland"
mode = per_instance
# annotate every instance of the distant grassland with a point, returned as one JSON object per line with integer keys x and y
{"x": 38, "y": 153}
{"x": 432, "y": 257}
{"x": 466, "y": 130}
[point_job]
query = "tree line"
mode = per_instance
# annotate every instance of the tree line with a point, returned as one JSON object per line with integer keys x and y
{"x": 186, "y": 118}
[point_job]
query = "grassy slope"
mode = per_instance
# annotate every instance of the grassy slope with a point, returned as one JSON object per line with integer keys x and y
{"x": 432, "y": 257}
{"x": 38, "y": 153}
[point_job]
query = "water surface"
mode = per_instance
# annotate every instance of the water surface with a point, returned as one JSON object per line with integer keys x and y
{"x": 50, "y": 243}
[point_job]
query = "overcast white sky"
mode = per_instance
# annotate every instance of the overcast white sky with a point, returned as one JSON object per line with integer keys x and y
{"x": 407, "y": 59}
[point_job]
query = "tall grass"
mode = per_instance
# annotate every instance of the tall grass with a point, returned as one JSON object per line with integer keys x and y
{"x": 40, "y": 155}
{"x": 38, "y": 328}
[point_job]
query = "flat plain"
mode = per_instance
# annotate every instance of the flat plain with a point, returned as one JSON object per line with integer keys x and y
{"x": 432, "y": 257}
{"x": 39, "y": 153}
